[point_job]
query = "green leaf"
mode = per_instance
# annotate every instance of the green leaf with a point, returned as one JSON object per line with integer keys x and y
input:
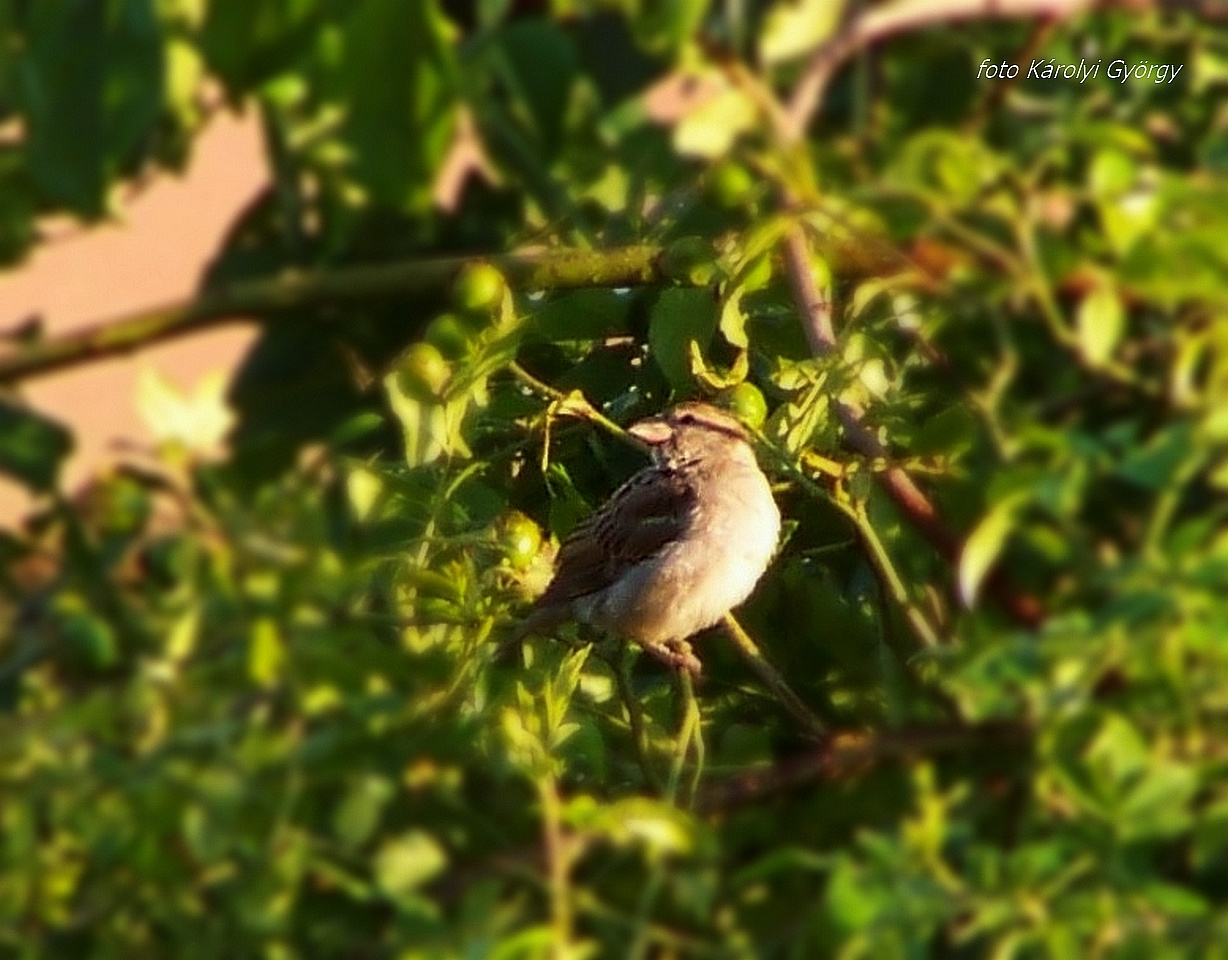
{"x": 1112, "y": 173}
{"x": 1154, "y": 464}
{"x": 90, "y": 80}
{"x": 678, "y": 318}
{"x": 397, "y": 75}
{"x": 1175, "y": 900}
{"x": 266, "y": 653}
{"x": 1100, "y": 323}
{"x": 247, "y": 43}
{"x": 582, "y": 315}
{"x": 944, "y": 162}
{"x": 984, "y": 545}
{"x": 795, "y": 27}
{"x": 947, "y": 433}
{"x": 1158, "y": 805}
{"x": 666, "y": 27}
{"x": 1126, "y": 220}
{"x": 733, "y": 321}
{"x": 852, "y": 902}
{"x": 364, "y": 488}
{"x": 357, "y": 815}
{"x": 181, "y": 639}
{"x": 709, "y": 131}
{"x": 31, "y": 446}
{"x": 426, "y": 426}
{"x": 542, "y": 65}
{"x": 406, "y": 862}
{"x": 87, "y": 637}
{"x": 636, "y": 821}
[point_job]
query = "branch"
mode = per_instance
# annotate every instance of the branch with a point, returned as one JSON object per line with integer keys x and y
{"x": 815, "y": 311}
{"x": 846, "y": 754}
{"x": 879, "y": 23}
{"x": 814, "y": 304}
{"x": 293, "y": 289}
{"x": 771, "y": 677}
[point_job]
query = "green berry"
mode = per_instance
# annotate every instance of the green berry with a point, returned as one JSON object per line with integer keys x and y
{"x": 422, "y": 372}
{"x": 479, "y": 289}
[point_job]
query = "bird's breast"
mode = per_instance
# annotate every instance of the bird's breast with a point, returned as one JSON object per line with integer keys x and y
{"x": 733, "y": 537}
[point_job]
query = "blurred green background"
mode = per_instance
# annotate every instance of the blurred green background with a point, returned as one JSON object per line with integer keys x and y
{"x": 250, "y": 706}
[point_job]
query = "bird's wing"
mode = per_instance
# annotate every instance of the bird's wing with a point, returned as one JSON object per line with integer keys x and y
{"x": 643, "y": 515}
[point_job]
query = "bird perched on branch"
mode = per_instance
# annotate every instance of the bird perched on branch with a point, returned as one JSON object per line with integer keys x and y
{"x": 676, "y": 547}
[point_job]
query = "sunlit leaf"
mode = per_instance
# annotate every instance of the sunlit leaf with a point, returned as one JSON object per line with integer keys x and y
{"x": 404, "y": 863}
{"x": 795, "y": 27}
{"x": 266, "y": 653}
{"x": 984, "y": 544}
{"x": 1100, "y": 324}
{"x": 710, "y": 130}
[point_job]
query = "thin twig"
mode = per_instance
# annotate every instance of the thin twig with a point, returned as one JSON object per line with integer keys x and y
{"x": 895, "y": 583}
{"x": 771, "y": 677}
{"x": 635, "y": 715}
{"x": 845, "y": 753}
{"x": 575, "y": 404}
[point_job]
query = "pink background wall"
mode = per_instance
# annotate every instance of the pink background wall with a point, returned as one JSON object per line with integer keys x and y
{"x": 157, "y": 253}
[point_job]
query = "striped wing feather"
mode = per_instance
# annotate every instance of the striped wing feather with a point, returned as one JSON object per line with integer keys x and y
{"x": 643, "y": 515}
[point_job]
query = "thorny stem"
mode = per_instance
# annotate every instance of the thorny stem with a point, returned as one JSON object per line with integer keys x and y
{"x": 813, "y": 303}
{"x": 815, "y": 312}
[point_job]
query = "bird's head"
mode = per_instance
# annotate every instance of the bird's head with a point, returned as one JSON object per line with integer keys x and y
{"x": 691, "y": 431}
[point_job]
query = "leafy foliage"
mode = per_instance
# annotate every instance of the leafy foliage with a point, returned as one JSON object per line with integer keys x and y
{"x": 265, "y": 706}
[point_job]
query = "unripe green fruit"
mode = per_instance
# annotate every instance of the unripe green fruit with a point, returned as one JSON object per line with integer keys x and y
{"x": 730, "y": 185}
{"x": 422, "y": 372}
{"x": 519, "y": 539}
{"x": 479, "y": 289}
{"x": 449, "y": 335}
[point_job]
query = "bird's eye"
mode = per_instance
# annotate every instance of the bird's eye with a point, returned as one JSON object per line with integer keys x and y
{"x": 687, "y": 418}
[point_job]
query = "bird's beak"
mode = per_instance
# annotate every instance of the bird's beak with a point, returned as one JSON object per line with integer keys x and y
{"x": 653, "y": 431}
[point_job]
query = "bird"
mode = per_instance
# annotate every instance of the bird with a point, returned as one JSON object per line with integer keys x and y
{"x": 676, "y": 547}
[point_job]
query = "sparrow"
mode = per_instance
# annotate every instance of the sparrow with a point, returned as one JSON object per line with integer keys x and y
{"x": 676, "y": 547}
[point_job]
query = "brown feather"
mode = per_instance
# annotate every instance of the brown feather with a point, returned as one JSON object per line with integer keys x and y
{"x": 643, "y": 515}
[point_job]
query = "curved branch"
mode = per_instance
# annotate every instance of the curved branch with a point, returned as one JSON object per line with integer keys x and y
{"x": 879, "y": 23}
